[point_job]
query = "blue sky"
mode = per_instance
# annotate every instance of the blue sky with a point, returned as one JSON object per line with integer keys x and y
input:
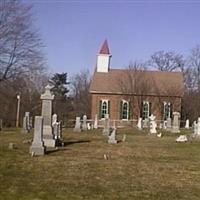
{"x": 73, "y": 31}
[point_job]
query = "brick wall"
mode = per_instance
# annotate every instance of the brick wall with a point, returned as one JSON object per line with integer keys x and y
{"x": 156, "y": 103}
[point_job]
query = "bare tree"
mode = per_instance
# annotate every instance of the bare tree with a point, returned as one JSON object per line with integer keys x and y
{"x": 166, "y": 61}
{"x": 20, "y": 45}
{"x": 80, "y": 93}
{"x": 134, "y": 86}
{"x": 194, "y": 66}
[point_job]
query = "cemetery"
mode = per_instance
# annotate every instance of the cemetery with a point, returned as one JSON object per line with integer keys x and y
{"x": 99, "y": 160}
{"x": 105, "y": 133}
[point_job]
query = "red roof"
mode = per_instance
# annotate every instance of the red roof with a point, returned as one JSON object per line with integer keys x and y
{"x": 104, "y": 48}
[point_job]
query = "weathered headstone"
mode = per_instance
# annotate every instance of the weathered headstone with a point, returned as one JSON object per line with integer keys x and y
{"x": 77, "y": 127}
{"x": 47, "y": 99}
{"x": 84, "y": 125}
{"x": 96, "y": 122}
{"x": 169, "y": 124}
{"x": 139, "y": 124}
{"x": 106, "y": 128}
{"x": 187, "y": 124}
{"x": 25, "y": 128}
{"x": 37, "y": 147}
{"x": 27, "y": 115}
{"x": 175, "y": 124}
{"x": 112, "y": 137}
{"x": 153, "y": 124}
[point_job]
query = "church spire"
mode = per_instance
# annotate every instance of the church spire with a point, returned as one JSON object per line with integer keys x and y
{"x": 103, "y": 58}
{"x": 104, "y": 48}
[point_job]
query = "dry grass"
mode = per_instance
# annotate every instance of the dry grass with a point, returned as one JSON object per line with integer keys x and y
{"x": 143, "y": 167}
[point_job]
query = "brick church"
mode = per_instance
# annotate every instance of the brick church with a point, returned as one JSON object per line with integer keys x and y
{"x": 131, "y": 93}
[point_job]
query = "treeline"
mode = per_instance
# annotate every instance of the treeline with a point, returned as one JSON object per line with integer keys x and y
{"x": 23, "y": 71}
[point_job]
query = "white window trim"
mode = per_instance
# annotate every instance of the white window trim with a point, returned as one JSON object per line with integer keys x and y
{"x": 124, "y": 101}
{"x": 168, "y": 104}
{"x": 104, "y": 100}
{"x": 146, "y": 102}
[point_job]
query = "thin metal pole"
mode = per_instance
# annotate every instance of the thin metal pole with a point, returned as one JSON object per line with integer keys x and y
{"x": 18, "y": 107}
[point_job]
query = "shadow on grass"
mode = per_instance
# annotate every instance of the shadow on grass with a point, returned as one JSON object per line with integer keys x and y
{"x": 76, "y": 142}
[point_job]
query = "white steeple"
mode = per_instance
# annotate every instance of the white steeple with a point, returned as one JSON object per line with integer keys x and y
{"x": 103, "y": 58}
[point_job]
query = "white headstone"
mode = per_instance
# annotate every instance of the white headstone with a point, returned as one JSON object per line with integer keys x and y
{"x": 47, "y": 99}
{"x": 37, "y": 147}
{"x": 175, "y": 125}
{"x": 106, "y": 128}
{"x": 169, "y": 124}
{"x": 198, "y": 127}
{"x": 111, "y": 137}
{"x": 187, "y": 124}
{"x": 182, "y": 138}
{"x": 54, "y": 119}
{"x": 153, "y": 124}
{"x": 77, "y": 127}
{"x": 96, "y": 122}
{"x": 84, "y": 125}
{"x": 88, "y": 126}
{"x": 139, "y": 124}
{"x": 195, "y": 127}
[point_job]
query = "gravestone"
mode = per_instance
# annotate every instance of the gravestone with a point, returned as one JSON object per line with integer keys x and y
{"x": 55, "y": 127}
{"x": 96, "y": 122}
{"x": 54, "y": 119}
{"x": 27, "y": 115}
{"x": 106, "y": 128}
{"x": 187, "y": 124}
{"x": 182, "y": 138}
{"x": 25, "y": 127}
{"x": 47, "y": 99}
{"x": 169, "y": 124}
{"x": 153, "y": 124}
{"x": 37, "y": 147}
{"x": 165, "y": 124}
{"x": 195, "y": 127}
{"x": 84, "y": 125}
{"x": 124, "y": 138}
{"x": 31, "y": 122}
{"x": 88, "y": 126}
{"x": 175, "y": 124}
{"x": 77, "y": 127}
{"x": 139, "y": 124}
{"x": 112, "y": 137}
{"x": 145, "y": 123}
{"x": 60, "y": 130}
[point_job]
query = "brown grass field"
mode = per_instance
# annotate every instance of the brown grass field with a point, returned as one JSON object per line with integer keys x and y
{"x": 144, "y": 167}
